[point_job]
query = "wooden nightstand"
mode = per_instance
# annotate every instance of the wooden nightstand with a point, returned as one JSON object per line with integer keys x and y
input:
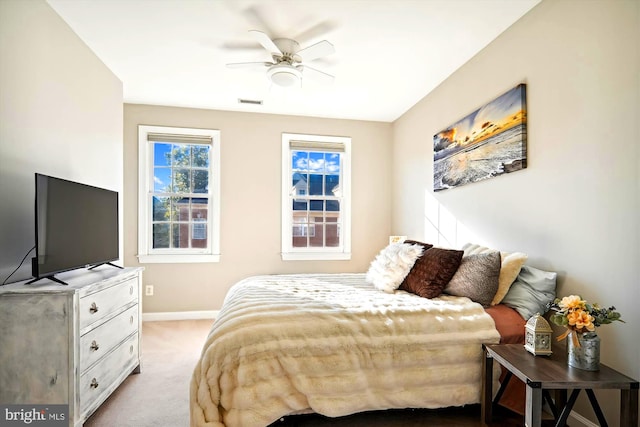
{"x": 544, "y": 373}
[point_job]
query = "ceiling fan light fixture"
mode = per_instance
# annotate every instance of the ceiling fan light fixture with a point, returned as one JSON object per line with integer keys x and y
{"x": 284, "y": 75}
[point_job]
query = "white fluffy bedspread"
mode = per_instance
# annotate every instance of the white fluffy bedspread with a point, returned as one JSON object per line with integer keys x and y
{"x": 335, "y": 345}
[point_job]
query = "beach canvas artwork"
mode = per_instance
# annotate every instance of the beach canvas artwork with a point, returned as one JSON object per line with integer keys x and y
{"x": 489, "y": 142}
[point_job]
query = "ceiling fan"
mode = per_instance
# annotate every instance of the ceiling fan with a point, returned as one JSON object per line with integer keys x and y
{"x": 287, "y": 67}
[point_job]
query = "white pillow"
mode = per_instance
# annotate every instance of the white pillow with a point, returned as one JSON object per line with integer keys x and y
{"x": 392, "y": 264}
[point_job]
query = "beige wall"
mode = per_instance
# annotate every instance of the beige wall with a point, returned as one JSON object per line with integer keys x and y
{"x": 576, "y": 208}
{"x": 60, "y": 115}
{"x": 250, "y": 204}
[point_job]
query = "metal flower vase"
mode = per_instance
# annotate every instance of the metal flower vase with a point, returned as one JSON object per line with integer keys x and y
{"x": 586, "y": 356}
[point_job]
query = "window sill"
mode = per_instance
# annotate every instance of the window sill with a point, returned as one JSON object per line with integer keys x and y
{"x": 316, "y": 256}
{"x": 177, "y": 259}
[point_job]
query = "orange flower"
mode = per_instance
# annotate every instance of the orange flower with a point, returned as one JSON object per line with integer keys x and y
{"x": 572, "y": 302}
{"x": 579, "y": 317}
{"x": 580, "y": 320}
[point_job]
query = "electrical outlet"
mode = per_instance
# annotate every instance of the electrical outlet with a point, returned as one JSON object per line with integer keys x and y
{"x": 148, "y": 290}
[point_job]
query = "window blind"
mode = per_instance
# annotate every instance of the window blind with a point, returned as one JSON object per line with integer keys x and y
{"x": 316, "y": 146}
{"x": 184, "y": 139}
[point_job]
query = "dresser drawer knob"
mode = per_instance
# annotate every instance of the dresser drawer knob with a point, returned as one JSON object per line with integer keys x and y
{"x": 93, "y": 308}
{"x": 130, "y": 290}
{"x": 94, "y": 345}
{"x": 94, "y": 383}
{"x": 131, "y": 320}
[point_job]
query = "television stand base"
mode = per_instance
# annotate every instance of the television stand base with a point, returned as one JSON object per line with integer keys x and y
{"x": 53, "y": 278}
{"x": 107, "y": 263}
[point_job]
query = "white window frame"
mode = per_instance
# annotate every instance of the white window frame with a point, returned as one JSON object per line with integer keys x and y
{"x": 341, "y": 252}
{"x": 147, "y": 254}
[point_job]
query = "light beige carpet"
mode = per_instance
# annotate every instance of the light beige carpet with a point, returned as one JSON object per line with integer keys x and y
{"x": 159, "y": 395}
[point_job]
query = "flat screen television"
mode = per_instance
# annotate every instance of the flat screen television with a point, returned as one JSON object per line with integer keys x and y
{"x": 76, "y": 225}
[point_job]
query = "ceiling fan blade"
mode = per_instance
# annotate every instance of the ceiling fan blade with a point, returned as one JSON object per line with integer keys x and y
{"x": 259, "y": 15}
{"x": 317, "y": 50}
{"x": 249, "y": 64}
{"x": 317, "y": 75}
{"x": 316, "y": 31}
{"x": 240, "y": 45}
{"x": 265, "y": 41}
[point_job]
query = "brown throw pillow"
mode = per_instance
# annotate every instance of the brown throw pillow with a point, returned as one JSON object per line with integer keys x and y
{"x": 425, "y": 246}
{"x": 476, "y": 278}
{"x": 431, "y": 272}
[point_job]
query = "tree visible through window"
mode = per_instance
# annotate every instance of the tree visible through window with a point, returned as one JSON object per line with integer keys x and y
{"x": 179, "y": 194}
{"x": 180, "y": 171}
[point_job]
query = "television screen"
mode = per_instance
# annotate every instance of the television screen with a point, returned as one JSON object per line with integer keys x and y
{"x": 76, "y": 226}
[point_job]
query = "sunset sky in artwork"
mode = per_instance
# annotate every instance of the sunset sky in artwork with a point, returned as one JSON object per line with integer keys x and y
{"x": 504, "y": 112}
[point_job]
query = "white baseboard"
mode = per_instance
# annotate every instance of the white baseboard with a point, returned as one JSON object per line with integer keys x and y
{"x": 179, "y": 315}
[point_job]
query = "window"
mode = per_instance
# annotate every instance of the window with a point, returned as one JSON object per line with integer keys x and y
{"x": 316, "y": 197}
{"x": 178, "y": 188}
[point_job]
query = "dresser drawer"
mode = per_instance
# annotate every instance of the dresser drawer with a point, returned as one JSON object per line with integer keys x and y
{"x": 101, "y": 304}
{"x": 100, "y": 380}
{"x": 101, "y": 340}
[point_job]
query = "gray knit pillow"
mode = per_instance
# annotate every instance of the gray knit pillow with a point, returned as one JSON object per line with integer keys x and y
{"x": 477, "y": 278}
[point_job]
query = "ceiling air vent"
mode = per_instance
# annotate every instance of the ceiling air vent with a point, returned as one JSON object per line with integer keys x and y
{"x": 250, "y": 101}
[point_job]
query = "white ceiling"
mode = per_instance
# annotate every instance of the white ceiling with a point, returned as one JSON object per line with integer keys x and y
{"x": 389, "y": 53}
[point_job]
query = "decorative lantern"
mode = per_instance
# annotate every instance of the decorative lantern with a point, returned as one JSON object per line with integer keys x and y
{"x": 537, "y": 336}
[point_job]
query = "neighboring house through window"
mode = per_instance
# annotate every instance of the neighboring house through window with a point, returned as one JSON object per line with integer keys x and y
{"x": 179, "y": 195}
{"x": 316, "y": 197}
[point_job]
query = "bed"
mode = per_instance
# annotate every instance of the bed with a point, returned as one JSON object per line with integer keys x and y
{"x": 336, "y": 345}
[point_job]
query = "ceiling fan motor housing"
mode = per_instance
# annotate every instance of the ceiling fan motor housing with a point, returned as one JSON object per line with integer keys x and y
{"x": 284, "y": 74}
{"x": 286, "y": 68}
{"x": 287, "y": 46}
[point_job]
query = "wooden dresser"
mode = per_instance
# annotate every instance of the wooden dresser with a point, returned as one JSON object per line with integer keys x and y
{"x": 70, "y": 344}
